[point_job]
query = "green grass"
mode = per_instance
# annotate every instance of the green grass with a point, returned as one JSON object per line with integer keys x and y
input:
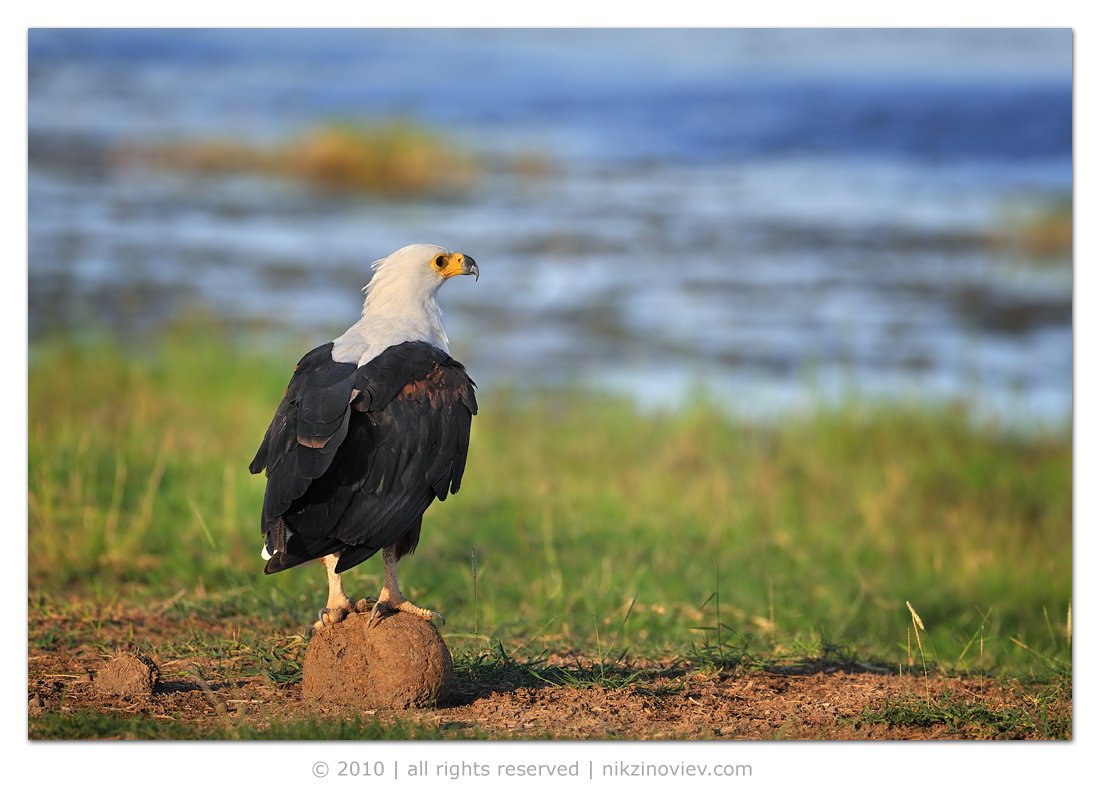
{"x": 597, "y": 528}
{"x": 1045, "y": 717}
{"x": 94, "y": 724}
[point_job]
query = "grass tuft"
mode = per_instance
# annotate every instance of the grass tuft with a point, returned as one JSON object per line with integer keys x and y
{"x": 394, "y": 158}
{"x": 1047, "y": 717}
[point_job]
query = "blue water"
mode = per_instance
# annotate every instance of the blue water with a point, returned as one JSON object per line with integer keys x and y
{"x": 779, "y": 217}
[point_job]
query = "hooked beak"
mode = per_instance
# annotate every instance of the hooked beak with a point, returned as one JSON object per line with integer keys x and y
{"x": 456, "y": 264}
{"x": 469, "y": 266}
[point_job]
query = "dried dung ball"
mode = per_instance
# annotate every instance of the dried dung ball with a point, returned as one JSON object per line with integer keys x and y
{"x": 401, "y": 662}
{"x": 127, "y": 675}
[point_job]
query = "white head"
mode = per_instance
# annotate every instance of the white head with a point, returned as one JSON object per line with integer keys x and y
{"x": 400, "y": 302}
{"x": 411, "y": 276}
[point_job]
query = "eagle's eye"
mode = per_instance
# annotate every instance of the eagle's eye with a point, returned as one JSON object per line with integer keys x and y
{"x": 440, "y": 261}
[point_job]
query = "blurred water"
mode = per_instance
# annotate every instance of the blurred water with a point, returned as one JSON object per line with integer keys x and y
{"x": 775, "y": 216}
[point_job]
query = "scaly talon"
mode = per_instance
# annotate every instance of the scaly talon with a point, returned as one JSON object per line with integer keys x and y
{"x": 327, "y": 617}
{"x": 373, "y": 614}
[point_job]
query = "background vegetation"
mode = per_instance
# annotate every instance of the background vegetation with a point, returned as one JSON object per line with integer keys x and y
{"x": 583, "y": 524}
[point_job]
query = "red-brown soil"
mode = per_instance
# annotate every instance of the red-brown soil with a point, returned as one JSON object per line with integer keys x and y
{"x": 206, "y": 689}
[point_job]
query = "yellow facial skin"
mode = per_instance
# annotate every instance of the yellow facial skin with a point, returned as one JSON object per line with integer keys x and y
{"x": 453, "y": 264}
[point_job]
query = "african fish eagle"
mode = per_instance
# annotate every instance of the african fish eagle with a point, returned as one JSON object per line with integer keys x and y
{"x": 374, "y": 426}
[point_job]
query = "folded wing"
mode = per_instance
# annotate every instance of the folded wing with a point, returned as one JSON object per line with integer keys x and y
{"x": 354, "y": 456}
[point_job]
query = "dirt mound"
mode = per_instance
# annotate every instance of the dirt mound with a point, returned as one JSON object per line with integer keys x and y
{"x": 401, "y": 662}
{"x": 127, "y": 675}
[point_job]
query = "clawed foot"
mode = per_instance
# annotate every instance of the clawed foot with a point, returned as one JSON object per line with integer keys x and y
{"x": 327, "y": 617}
{"x": 384, "y": 606}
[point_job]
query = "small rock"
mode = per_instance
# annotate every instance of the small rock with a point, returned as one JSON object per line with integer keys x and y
{"x": 127, "y": 675}
{"x": 401, "y": 662}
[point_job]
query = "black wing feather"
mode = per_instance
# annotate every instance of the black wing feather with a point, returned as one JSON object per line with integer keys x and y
{"x": 354, "y": 456}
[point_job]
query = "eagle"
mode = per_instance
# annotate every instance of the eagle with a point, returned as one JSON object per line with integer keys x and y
{"x": 374, "y": 427}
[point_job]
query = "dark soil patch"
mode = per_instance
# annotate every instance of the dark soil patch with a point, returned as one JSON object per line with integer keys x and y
{"x": 217, "y": 676}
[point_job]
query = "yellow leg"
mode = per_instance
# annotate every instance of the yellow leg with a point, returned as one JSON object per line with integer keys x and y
{"x": 338, "y": 604}
{"x": 391, "y": 598}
